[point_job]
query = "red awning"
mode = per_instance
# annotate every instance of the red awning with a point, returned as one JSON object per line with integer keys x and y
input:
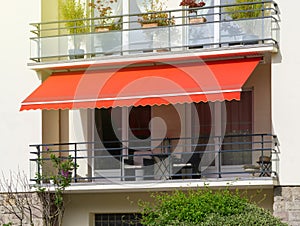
{"x": 140, "y": 86}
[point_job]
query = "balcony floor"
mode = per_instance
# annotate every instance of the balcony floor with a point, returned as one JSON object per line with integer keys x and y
{"x": 248, "y": 182}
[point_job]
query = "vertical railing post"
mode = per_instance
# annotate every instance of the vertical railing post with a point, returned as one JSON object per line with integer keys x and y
{"x": 217, "y": 23}
{"x": 124, "y": 31}
{"x": 39, "y": 161}
{"x": 121, "y": 34}
{"x": 169, "y": 31}
{"x": 274, "y": 157}
{"x": 261, "y": 159}
{"x": 122, "y": 166}
{"x": 262, "y": 144}
{"x": 263, "y": 21}
{"x": 38, "y": 27}
{"x": 185, "y": 30}
{"x": 219, "y": 157}
{"x": 170, "y": 162}
{"x": 75, "y": 162}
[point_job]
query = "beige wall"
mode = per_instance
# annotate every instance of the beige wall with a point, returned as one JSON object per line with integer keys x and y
{"x": 54, "y": 130}
{"x": 49, "y": 10}
{"x": 260, "y": 81}
{"x": 81, "y": 130}
{"x": 81, "y": 207}
{"x": 56, "y": 45}
{"x": 55, "y": 126}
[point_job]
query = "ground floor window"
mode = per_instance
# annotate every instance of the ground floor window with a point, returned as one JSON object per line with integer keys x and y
{"x": 118, "y": 219}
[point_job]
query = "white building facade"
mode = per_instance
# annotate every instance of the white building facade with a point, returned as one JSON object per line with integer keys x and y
{"x": 167, "y": 107}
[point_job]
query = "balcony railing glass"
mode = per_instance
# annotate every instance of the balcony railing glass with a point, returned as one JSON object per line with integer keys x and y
{"x": 52, "y": 41}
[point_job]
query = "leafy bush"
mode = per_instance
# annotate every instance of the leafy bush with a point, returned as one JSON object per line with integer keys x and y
{"x": 74, "y": 12}
{"x": 204, "y": 208}
{"x": 243, "y": 10}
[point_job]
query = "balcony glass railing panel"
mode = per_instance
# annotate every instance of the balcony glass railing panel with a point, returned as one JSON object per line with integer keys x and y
{"x": 105, "y": 43}
{"x": 52, "y": 41}
{"x": 200, "y": 35}
{"x": 250, "y": 31}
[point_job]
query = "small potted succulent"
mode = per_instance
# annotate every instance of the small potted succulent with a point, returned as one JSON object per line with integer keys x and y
{"x": 193, "y": 5}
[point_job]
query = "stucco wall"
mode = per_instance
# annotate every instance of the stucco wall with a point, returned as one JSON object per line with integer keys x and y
{"x": 17, "y": 129}
{"x": 285, "y": 93}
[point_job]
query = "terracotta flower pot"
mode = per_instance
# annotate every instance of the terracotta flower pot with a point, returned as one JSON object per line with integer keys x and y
{"x": 198, "y": 20}
{"x": 101, "y": 29}
{"x": 148, "y": 25}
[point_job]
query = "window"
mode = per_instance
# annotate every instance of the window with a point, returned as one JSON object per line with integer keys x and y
{"x": 107, "y": 134}
{"x": 118, "y": 219}
{"x": 139, "y": 119}
{"x": 236, "y": 119}
{"x": 238, "y": 122}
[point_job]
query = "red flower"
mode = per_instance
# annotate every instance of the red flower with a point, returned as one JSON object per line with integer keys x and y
{"x": 191, "y": 3}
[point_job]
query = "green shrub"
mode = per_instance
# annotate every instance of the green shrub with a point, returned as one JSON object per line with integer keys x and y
{"x": 204, "y": 208}
{"x": 242, "y": 10}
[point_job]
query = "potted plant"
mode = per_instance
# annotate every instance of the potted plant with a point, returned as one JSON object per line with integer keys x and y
{"x": 105, "y": 12}
{"x": 106, "y": 21}
{"x": 74, "y": 13}
{"x": 192, "y": 5}
{"x": 247, "y": 13}
{"x": 154, "y": 16}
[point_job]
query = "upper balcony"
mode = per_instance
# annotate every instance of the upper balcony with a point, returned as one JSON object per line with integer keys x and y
{"x": 181, "y": 32}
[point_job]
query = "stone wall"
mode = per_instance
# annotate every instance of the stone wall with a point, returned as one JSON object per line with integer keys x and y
{"x": 287, "y": 204}
{"x": 9, "y": 202}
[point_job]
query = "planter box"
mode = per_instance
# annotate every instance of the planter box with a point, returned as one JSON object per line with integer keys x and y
{"x": 101, "y": 29}
{"x": 197, "y": 20}
{"x": 150, "y": 25}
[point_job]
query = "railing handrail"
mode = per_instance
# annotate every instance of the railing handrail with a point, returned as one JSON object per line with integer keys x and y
{"x": 163, "y": 11}
{"x": 151, "y": 139}
{"x": 265, "y": 146}
{"x": 67, "y": 37}
{"x": 91, "y": 19}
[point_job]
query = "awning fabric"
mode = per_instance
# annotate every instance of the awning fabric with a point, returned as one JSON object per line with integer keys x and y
{"x": 139, "y": 86}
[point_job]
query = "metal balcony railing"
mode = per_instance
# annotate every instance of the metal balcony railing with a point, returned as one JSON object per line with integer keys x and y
{"x": 55, "y": 41}
{"x": 231, "y": 156}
